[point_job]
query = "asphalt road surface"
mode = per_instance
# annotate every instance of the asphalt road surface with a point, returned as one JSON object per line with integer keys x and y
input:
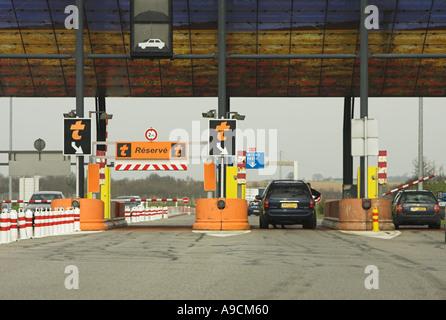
{"x": 166, "y": 260}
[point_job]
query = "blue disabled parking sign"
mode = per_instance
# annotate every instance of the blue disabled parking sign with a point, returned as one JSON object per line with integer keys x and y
{"x": 255, "y": 160}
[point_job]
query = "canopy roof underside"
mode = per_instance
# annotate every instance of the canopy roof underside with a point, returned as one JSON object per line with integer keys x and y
{"x": 253, "y": 27}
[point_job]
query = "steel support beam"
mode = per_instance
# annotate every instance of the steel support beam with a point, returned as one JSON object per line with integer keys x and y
{"x": 44, "y": 56}
{"x": 222, "y": 99}
{"x": 420, "y": 143}
{"x": 222, "y": 104}
{"x": 293, "y": 56}
{"x": 101, "y": 124}
{"x": 364, "y": 91}
{"x": 408, "y": 56}
{"x": 127, "y": 56}
{"x": 79, "y": 55}
{"x": 347, "y": 142}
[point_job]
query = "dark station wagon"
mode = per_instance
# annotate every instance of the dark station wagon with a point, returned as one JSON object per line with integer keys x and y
{"x": 413, "y": 207}
{"x": 287, "y": 202}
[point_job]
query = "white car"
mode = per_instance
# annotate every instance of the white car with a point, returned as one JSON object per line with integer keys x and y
{"x": 152, "y": 43}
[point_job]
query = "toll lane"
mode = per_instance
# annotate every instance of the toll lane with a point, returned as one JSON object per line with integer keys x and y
{"x": 170, "y": 261}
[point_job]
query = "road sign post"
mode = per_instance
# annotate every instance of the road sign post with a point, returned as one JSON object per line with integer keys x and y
{"x": 222, "y": 144}
{"x": 364, "y": 144}
{"x": 241, "y": 172}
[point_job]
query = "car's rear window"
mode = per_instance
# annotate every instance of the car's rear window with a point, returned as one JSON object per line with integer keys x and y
{"x": 288, "y": 191}
{"x": 47, "y": 197}
{"x": 418, "y": 198}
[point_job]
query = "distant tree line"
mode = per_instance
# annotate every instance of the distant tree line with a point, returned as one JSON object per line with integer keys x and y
{"x": 430, "y": 167}
{"x": 4, "y": 185}
{"x": 153, "y": 186}
{"x": 158, "y": 186}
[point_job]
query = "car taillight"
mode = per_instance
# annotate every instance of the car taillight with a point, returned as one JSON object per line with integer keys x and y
{"x": 399, "y": 208}
{"x": 266, "y": 203}
{"x": 312, "y": 203}
{"x": 436, "y": 208}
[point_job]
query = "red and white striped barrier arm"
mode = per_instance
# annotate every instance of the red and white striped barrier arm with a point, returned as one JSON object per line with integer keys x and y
{"x": 153, "y": 200}
{"x": 161, "y": 200}
{"x": 409, "y": 184}
{"x": 29, "y": 201}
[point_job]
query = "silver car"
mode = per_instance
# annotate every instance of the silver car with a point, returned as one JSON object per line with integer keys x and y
{"x": 47, "y": 196}
{"x": 131, "y": 201}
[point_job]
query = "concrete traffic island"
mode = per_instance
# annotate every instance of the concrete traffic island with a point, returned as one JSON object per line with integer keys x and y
{"x": 357, "y": 214}
{"x": 91, "y": 213}
{"x": 221, "y": 214}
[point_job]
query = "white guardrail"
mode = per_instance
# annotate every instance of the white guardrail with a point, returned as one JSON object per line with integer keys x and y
{"x": 18, "y": 225}
{"x": 142, "y": 212}
{"x": 21, "y": 225}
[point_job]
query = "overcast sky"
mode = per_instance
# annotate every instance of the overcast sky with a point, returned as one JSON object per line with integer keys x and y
{"x": 308, "y": 130}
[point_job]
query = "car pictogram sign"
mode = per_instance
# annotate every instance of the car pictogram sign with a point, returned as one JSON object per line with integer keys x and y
{"x": 222, "y": 137}
{"x": 77, "y": 136}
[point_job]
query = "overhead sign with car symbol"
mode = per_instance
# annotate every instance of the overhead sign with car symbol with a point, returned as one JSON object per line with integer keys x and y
{"x": 151, "y": 29}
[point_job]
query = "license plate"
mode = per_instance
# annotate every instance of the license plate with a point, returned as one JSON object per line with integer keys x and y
{"x": 289, "y": 205}
{"x": 418, "y": 209}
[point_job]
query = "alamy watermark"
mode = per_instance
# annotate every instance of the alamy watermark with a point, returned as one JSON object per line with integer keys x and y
{"x": 72, "y": 280}
{"x": 372, "y": 280}
{"x": 371, "y": 22}
{"x": 263, "y": 140}
{"x": 72, "y": 20}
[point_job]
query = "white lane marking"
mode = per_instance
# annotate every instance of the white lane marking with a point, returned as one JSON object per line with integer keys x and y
{"x": 375, "y": 234}
{"x": 222, "y": 233}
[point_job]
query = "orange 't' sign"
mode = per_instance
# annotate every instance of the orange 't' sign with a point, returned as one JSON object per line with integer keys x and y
{"x": 222, "y": 137}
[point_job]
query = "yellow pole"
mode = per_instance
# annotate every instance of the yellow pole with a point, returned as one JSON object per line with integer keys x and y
{"x": 375, "y": 219}
{"x": 372, "y": 189}
{"x": 105, "y": 193}
{"x": 231, "y": 182}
